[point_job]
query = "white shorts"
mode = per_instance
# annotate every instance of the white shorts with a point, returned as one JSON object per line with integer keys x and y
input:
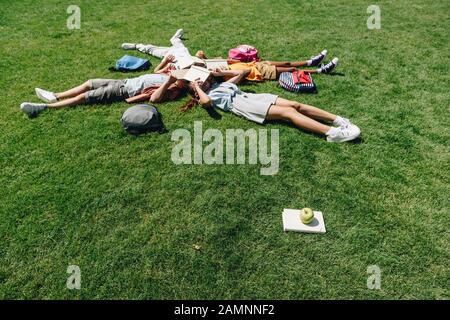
{"x": 253, "y": 106}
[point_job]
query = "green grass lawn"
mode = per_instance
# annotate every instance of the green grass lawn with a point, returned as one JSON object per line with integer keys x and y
{"x": 77, "y": 190}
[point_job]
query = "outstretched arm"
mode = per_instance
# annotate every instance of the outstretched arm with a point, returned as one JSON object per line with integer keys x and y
{"x": 236, "y": 75}
{"x": 165, "y": 64}
{"x": 159, "y": 94}
{"x": 204, "y": 99}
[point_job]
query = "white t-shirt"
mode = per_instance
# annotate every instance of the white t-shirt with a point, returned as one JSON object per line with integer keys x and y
{"x": 134, "y": 86}
{"x": 179, "y": 52}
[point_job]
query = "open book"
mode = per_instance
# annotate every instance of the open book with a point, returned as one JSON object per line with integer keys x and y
{"x": 212, "y": 64}
{"x": 187, "y": 61}
{"x": 192, "y": 74}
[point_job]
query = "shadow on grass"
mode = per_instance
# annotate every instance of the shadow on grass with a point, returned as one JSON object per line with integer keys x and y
{"x": 291, "y": 125}
{"x": 212, "y": 112}
{"x": 33, "y": 116}
{"x": 358, "y": 140}
{"x": 336, "y": 74}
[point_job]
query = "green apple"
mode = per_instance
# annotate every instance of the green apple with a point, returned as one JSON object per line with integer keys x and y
{"x": 306, "y": 215}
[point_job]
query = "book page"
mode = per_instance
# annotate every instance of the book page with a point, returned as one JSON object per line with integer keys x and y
{"x": 195, "y": 73}
{"x": 184, "y": 62}
{"x": 213, "y": 64}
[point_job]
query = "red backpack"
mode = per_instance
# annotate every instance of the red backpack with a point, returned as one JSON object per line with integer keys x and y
{"x": 244, "y": 53}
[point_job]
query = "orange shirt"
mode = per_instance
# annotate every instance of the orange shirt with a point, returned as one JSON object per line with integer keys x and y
{"x": 254, "y": 74}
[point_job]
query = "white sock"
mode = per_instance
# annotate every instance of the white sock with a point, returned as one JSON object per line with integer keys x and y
{"x": 332, "y": 131}
{"x": 308, "y": 62}
{"x": 338, "y": 121}
{"x": 319, "y": 70}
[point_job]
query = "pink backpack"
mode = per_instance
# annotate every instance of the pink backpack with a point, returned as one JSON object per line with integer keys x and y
{"x": 244, "y": 53}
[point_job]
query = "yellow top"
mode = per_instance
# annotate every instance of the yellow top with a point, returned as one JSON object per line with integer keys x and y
{"x": 254, "y": 74}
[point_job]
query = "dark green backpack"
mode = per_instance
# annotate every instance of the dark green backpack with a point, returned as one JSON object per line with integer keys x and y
{"x": 140, "y": 119}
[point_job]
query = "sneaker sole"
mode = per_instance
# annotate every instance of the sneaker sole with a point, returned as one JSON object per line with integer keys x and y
{"x": 178, "y": 34}
{"x": 42, "y": 97}
{"x": 344, "y": 140}
{"x": 127, "y": 46}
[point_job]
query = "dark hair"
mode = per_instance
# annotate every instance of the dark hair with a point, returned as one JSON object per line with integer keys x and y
{"x": 194, "y": 95}
{"x": 193, "y": 101}
{"x": 189, "y": 105}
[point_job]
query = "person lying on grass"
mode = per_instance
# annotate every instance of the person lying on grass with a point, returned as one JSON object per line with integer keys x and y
{"x": 264, "y": 106}
{"x": 271, "y": 70}
{"x": 155, "y": 87}
{"x": 259, "y": 71}
{"x": 178, "y": 49}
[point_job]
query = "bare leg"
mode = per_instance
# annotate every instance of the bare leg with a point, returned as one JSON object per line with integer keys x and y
{"x": 294, "y": 64}
{"x": 79, "y": 99}
{"x": 290, "y": 114}
{"x": 310, "y": 71}
{"x": 280, "y": 70}
{"x": 74, "y": 91}
{"x": 313, "y": 61}
{"x": 307, "y": 110}
{"x": 285, "y": 69}
{"x": 291, "y": 69}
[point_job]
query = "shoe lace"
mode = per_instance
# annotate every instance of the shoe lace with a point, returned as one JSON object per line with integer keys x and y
{"x": 327, "y": 66}
{"x": 345, "y": 131}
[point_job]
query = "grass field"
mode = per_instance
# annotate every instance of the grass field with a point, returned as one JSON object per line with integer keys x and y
{"x": 77, "y": 190}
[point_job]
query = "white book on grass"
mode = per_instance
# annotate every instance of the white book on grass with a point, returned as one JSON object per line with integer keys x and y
{"x": 213, "y": 64}
{"x": 292, "y": 222}
{"x": 195, "y": 73}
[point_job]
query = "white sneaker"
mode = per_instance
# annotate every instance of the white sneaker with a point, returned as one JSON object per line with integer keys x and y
{"x": 128, "y": 46}
{"x": 341, "y": 121}
{"x": 343, "y": 133}
{"x": 178, "y": 34}
{"x": 45, "y": 95}
{"x": 32, "y": 108}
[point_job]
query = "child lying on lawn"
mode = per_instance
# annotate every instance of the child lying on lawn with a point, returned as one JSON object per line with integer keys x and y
{"x": 271, "y": 70}
{"x": 155, "y": 87}
{"x": 259, "y": 71}
{"x": 264, "y": 106}
{"x": 178, "y": 50}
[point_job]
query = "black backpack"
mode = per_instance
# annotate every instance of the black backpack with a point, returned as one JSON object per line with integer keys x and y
{"x": 142, "y": 118}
